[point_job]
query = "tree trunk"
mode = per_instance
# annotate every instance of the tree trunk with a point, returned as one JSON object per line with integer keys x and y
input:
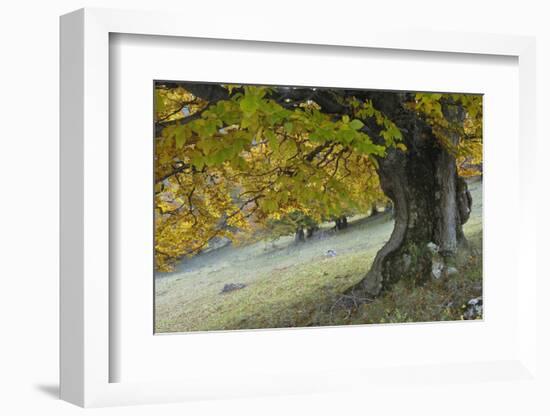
{"x": 431, "y": 202}
{"x": 341, "y": 222}
{"x": 373, "y": 210}
{"x": 300, "y": 236}
{"x": 452, "y": 196}
{"x": 310, "y": 231}
{"x": 344, "y": 222}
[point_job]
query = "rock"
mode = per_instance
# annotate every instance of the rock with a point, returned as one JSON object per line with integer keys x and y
{"x": 330, "y": 253}
{"x": 407, "y": 260}
{"x": 229, "y": 287}
{"x": 451, "y": 271}
{"x": 475, "y": 301}
{"x": 437, "y": 268}
{"x": 434, "y": 248}
{"x": 473, "y": 309}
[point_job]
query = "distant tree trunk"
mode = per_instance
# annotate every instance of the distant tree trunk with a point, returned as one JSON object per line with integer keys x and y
{"x": 431, "y": 202}
{"x": 373, "y": 210}
{"x": 300, "y": 236}
{"x": 341, "y": 222}
{"x": 310, "y": 231}
{"x": 344, "y": 222}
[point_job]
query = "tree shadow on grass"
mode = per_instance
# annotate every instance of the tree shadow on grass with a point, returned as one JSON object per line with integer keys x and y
{"x": 51, "y": 390}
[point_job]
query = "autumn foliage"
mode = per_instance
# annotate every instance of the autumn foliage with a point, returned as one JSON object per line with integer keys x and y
{"x": 232, "y": 166}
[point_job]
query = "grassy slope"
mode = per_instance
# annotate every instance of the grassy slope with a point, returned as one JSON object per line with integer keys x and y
{"x": 289, "y": 285}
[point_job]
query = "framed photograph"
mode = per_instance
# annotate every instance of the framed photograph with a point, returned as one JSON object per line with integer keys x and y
{"x": 287, "y": 212}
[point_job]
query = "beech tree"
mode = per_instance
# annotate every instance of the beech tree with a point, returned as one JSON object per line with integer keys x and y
{"x": 229, "y": 157}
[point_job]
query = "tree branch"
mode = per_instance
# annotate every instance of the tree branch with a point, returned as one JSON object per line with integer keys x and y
{"x": 161, "y": 125}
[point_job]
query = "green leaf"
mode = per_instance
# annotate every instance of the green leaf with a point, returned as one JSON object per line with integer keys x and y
{"x": 207, "y": 145}
{"x": 268, "y": 205}
{"x": 159, "y": 102}
{"x": 288, "y": 148}
{"x": 346, "y": 135}
{"x": 356, "y": 124}
{"x": 249, "y": 104}
{"x": 181, "y": 134}
{"x": 272, "y": 139}
{"x": 198, "y": 161}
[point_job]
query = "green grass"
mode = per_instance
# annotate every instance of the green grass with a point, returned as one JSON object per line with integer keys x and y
{"x": 290, "y": 286}
{"x": 283, "y": 298}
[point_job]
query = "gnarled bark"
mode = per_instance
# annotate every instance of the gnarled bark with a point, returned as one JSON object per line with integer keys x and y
{"x": 431, "y": 202}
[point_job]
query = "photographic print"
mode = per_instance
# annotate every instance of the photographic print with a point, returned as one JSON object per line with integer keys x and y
{"x": 293, "y": 206}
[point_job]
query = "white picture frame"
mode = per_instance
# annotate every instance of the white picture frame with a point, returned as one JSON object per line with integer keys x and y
{"x": 86, "y": 356}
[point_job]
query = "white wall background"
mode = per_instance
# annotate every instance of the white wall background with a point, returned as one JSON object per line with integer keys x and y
{"x": 29, "y": 173}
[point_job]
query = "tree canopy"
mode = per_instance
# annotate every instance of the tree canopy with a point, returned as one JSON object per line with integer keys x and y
{"x": 230, "y": 159}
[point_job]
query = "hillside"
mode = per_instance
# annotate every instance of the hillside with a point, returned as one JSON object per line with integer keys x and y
{"x": 291, "y": 284}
